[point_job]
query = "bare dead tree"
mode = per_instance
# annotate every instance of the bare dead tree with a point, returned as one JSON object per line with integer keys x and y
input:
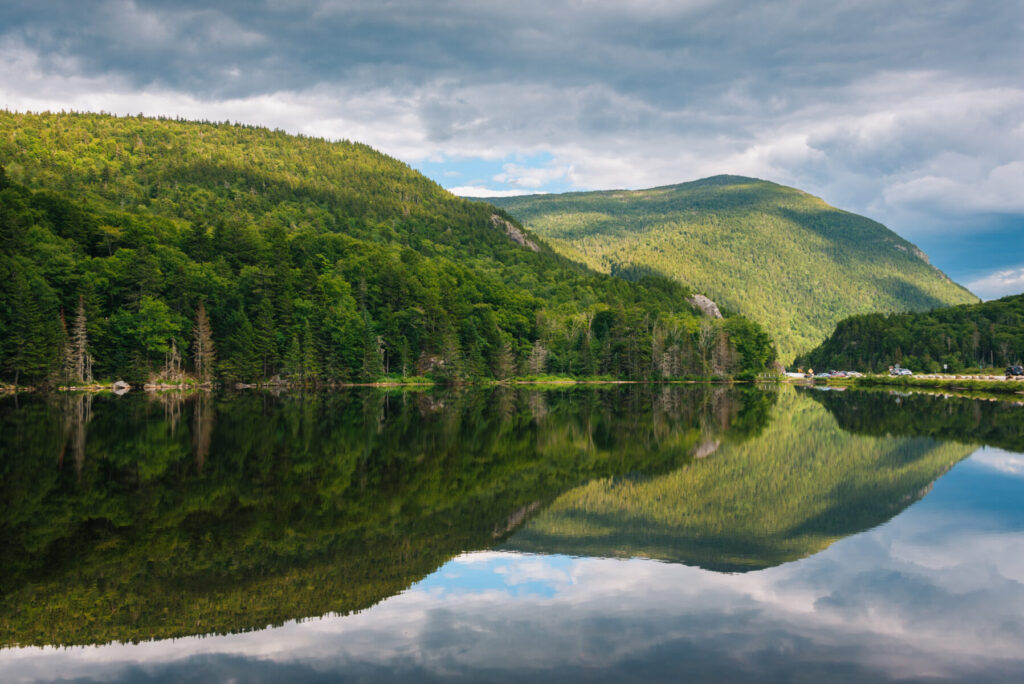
{"x": 203, "y": 352}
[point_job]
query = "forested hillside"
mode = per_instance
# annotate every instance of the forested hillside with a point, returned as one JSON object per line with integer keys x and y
{"x": 960, "y": 337}
{"x": 784, "y": 258}
{"x": 154, "y": 248}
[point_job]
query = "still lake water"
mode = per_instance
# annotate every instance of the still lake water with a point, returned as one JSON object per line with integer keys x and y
{"x": 617, "y": 533}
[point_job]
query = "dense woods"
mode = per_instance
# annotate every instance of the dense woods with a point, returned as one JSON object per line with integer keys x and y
{"x": 775, "y": 254}
{"x": 958, "y": 338}
{"x": 154, "y": 249}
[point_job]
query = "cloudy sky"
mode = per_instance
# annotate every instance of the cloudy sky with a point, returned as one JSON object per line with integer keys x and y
{"x": 909, "y": 112}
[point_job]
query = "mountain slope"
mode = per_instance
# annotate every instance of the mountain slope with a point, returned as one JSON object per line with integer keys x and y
{"x": 959, "y": 337}
{"x": 778, "y": 255}
{"x": 316, "y": 261}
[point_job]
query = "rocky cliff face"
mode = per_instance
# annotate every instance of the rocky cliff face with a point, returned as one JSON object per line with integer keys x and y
{"x": 514, "y": 233}
{"x": 707, "y": 306}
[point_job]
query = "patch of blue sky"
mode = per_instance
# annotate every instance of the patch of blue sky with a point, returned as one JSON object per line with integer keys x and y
{"x": 515, "y": 575}
{"x": 514, "y": 173}
{"x": 977, "y": 254}
{"x": 988, "y": 486}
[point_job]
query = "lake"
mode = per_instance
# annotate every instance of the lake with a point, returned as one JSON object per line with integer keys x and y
{"x": 597, "y": 533}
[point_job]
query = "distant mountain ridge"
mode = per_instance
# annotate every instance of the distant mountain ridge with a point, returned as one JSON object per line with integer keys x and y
{"x": 776, "y": 254}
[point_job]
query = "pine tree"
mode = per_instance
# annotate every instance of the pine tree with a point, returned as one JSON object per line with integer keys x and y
{"x": 203, "y": 353}
{"x": 266, "y": 338}
{"x": 33, "y": 336}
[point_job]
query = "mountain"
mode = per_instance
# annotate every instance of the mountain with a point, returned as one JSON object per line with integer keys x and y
{"x": 149, "y": 248}
{"x": 959, "y": 337}
{"x": 789, "y": 493}
{"x": 784, "y": 258}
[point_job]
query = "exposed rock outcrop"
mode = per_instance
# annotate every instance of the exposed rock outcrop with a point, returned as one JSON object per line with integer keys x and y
{"x": 514, "y": 233}
{"x": 706, "y": 305}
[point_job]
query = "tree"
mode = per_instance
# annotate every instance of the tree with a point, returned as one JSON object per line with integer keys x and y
{"x": 203, "y": 354}
{"x": 265, "y": 339}
{"x": 33, "y": 333}
{"x": 154, "y": 328}
{"x": 79, "y": 359}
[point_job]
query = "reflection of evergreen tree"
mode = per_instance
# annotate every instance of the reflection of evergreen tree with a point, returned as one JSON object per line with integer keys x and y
{"x": 955, "y": 419}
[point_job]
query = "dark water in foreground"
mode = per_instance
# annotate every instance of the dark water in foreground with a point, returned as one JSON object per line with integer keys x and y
{"x": 624, "y": 533}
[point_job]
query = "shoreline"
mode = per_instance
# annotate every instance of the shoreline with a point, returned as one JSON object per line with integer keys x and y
{"x": 99, "y": 388}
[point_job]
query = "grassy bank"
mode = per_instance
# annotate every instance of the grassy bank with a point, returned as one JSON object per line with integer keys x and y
{"x": 988, "y": 383}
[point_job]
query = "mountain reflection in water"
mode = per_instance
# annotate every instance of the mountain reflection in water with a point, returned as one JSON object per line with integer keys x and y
{"x": 137, "y": 518}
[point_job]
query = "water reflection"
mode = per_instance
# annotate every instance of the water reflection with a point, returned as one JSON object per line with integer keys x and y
{"x": 792, "y": 492}
{"x": 343, "y": 502}
{"x": 199, "y": 514}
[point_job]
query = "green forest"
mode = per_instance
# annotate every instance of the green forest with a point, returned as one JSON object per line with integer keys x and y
{"x": 775, "y": 254}
{"x": 162, "y": 250}
{"x": 956, "y": 338}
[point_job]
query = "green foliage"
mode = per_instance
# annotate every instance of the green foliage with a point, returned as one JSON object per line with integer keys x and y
{"x": 318, "y": 261}
{"x": 775, "y": 254}
{"x": 961, "y": 338}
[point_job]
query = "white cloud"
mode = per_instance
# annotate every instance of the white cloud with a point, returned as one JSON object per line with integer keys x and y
{"x": 532, "y": 177}
{"x": 917, "y": 124}
{"x": 999, "y": 283}
{"x": 1005, "y": 462}
{"x": 480, "y": 191}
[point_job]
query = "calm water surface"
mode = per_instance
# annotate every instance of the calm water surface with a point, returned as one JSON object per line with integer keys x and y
{"x": 624, "y": 533}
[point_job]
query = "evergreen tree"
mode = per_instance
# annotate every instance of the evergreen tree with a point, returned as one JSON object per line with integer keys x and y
{"x": 265, "y": 338}
{"x": 238, "y": 358}
{"x": 32, "y": 343}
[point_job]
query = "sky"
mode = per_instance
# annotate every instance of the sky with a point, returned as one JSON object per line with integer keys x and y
{"x": 911, "y": 113}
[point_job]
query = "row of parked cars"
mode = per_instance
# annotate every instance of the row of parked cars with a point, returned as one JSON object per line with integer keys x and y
{"x": 839, "y": 374}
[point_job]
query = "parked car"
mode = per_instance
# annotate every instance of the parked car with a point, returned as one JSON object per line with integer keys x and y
{"x": 904, "y": 371}
{"x": 854, "y": 374}
{"x": 838, "y": 374}
{"x": 1016, "y": 370}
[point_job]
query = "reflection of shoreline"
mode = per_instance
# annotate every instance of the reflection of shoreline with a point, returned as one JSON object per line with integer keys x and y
{"x": 962, "y": 419}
